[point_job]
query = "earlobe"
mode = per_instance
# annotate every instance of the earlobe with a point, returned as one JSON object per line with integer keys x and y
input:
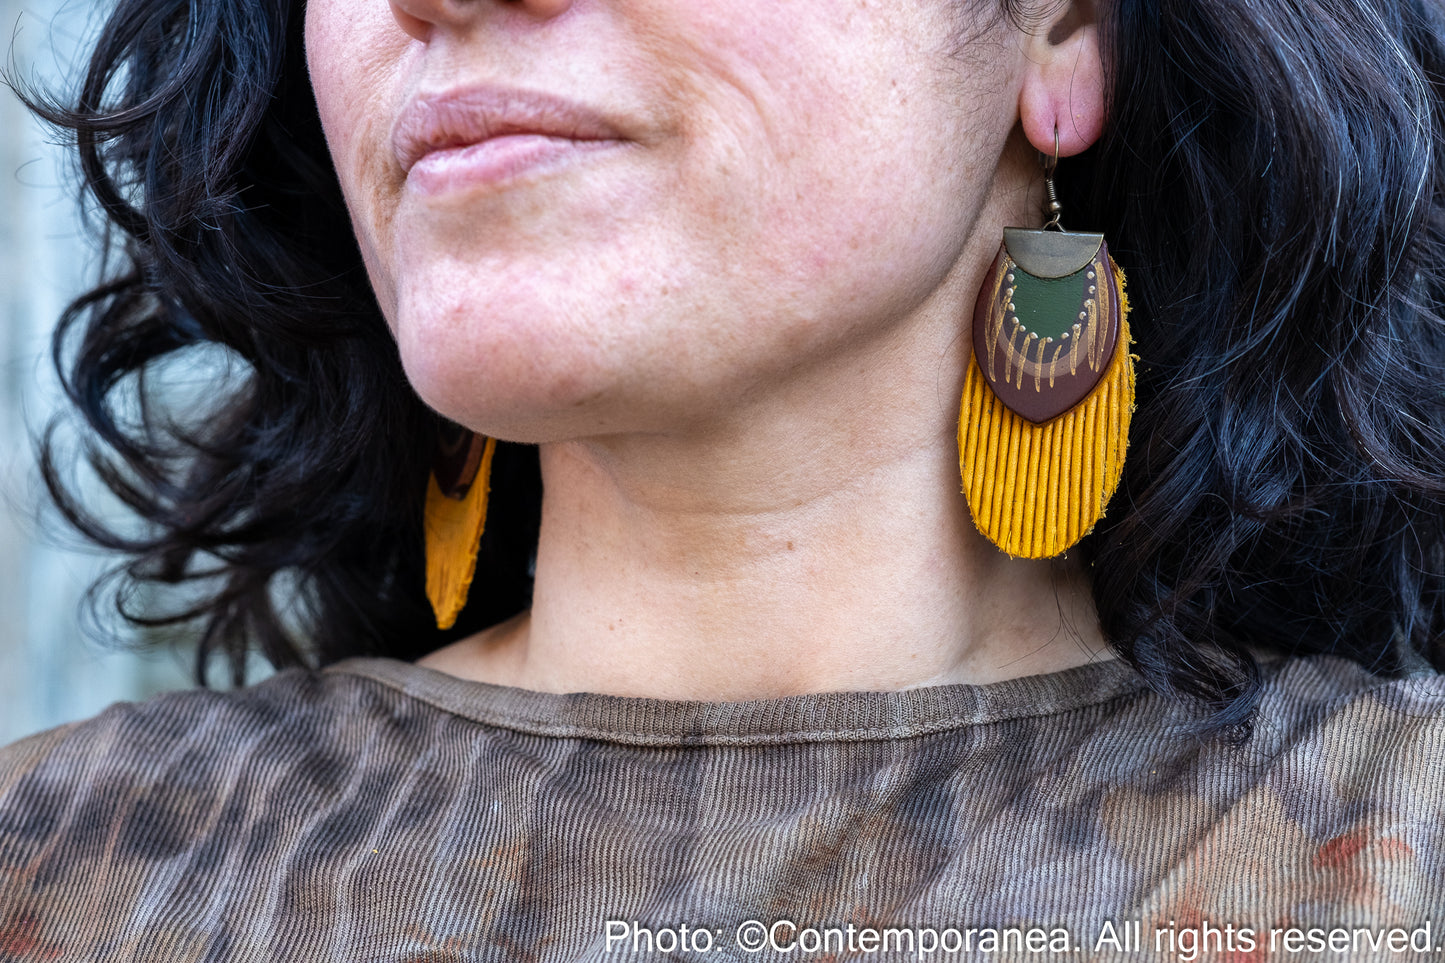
{"x": 1064, "y": 84}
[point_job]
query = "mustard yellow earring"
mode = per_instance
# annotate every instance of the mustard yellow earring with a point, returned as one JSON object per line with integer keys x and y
{"x": 456, "y": 514}
{"x": 1047, "y": 398}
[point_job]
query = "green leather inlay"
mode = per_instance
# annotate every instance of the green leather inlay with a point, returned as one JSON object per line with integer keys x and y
{"x": 1050, "y": 306}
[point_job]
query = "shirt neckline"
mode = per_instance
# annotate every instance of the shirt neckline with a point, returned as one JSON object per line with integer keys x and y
{"x": 817, "y": 717}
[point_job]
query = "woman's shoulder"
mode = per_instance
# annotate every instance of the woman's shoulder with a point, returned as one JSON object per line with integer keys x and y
{"x": 1337, "y": 738}
{"x": 174, "y": 794}
{"x": 151, "y": 803}
{"x": 150, "y": 778}
{"x": 1352, "y": 709}
{"x": 194, "y": 724}
{"x": 202, "y": 740}
{"x": 1314, "y": 684}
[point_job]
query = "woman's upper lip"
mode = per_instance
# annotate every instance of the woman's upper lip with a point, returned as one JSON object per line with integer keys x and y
{"x": 470, "y": 115}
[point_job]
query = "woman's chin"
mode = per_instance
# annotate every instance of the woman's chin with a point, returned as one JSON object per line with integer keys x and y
{"x": 521, "y": 403}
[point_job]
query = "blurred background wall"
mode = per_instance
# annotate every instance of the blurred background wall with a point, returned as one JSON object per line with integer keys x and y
{"x": 55, "y": 663}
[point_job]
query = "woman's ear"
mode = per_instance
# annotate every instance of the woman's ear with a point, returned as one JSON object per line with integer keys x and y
{"x": 1064, "y": 81}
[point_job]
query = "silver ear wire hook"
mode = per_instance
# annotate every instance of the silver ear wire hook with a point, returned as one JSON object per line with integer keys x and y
{"x": 1052, "y": 208}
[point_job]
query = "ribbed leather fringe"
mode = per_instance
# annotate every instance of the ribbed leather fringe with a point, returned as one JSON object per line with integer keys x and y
{"x": 453, "y": 529}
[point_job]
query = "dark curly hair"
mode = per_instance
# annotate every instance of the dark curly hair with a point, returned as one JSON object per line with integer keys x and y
{"x": 1270, "y": 174}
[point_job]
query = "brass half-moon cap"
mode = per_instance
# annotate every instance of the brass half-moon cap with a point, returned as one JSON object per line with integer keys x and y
{"x": 1050, "y": 254}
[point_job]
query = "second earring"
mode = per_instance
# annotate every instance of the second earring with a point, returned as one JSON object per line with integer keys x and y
{"x": 456, "y": 515}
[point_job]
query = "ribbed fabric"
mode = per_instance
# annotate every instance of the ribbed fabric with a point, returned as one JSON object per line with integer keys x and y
{"x": 380, "y": 811}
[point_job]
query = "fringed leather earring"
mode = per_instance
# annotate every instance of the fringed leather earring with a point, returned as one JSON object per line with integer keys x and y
{"x": 1049, "y": 391}
{"x": 456, "y": 514}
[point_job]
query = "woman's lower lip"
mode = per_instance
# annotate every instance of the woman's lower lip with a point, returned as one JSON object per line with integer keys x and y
{"x": 496, "y": 161}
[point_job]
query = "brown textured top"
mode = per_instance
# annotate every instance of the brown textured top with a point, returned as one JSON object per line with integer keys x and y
{"x": 381, "y": 811}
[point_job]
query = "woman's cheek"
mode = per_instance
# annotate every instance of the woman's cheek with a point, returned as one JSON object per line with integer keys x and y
{"x": 356, "y": 56}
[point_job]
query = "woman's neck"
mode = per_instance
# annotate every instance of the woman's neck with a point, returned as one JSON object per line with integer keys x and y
{"x": 765, "y": 558}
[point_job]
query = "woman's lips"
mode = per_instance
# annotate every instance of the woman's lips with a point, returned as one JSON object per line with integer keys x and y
{"x": 486, "y": 136}
{"x": 496, "y": 160}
